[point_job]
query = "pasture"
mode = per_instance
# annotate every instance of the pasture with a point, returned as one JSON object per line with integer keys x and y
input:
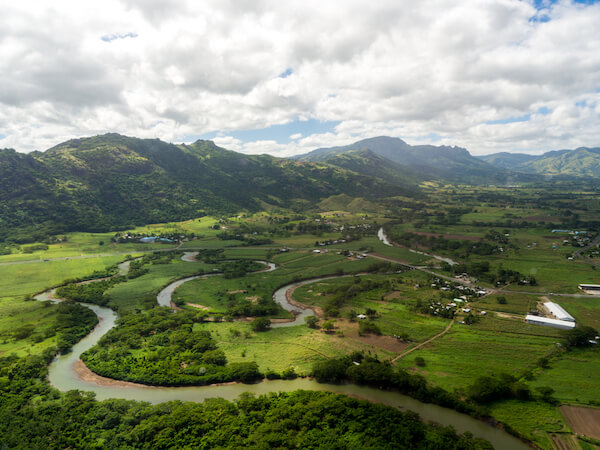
{"x": 23, "y": 279}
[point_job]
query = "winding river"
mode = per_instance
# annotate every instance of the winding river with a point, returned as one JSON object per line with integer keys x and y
{"x": 385, "y": 240}
{"x": 64, "y": 377}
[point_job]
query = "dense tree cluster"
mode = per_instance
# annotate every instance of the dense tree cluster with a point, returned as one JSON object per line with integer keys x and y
{"x": 366, "y": 370}
{"x": 88, "y": 293}
{"x": 455, "y": 247}
{"x": 298, "y": 419}
{"x": 162, "y": 348}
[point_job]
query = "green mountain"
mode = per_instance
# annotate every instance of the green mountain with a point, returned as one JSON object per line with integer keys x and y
{"x": 111, "y": 181}
{"x": 507, "y": 160}
{"x": 582, "y": 161}
{"x": 369, "y": 163}
{"x": 422, "y": 161}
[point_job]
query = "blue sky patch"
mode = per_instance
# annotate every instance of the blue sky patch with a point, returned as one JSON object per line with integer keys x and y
{"x": 524, "y": 118}
{"x": 544, "y": 111}
{"x": 115, "y": 36}
{"x": 431, "y": 137}
{"x": 279, "y": 133}
{"x": 286, "y": 73}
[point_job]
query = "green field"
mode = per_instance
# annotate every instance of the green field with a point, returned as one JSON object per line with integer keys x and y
{"x": 141, "y": 292}
{"x": 15, "y": 313}
{"x": 573, "y": 376}
{"x": 395, "y": 308}
{"x": 454, "y": 360}
{"x": 282, "y": 348}
{"x": 292, "y": 266}
{"x": 533, "y": 420}
{"x": 23, "y": 279}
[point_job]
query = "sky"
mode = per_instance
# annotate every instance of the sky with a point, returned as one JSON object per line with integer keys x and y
{"x": 286, "y": 77}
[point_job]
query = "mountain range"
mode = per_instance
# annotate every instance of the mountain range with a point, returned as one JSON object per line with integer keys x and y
{"x": 415, "y": 161}
{"x": 582, "y": 161}
{"x": 112, "y": 181}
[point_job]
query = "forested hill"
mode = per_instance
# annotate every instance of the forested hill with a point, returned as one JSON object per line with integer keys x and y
{"x": 110, "y": 181}
{"x": 428, "y": 161}
{"x": 582, "y": 162}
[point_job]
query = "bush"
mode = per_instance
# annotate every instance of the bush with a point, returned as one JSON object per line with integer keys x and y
{"x": 365, "y": 327}
{"x": 580, "y": 336}
{"x": 271, "y": 375}
{"x": 328, "y": 326}
{"x": 311, "y": 321}
{"x": 260, "y": 324}
{"x": 289, "y": 374}
{"x": 420, "y": 362}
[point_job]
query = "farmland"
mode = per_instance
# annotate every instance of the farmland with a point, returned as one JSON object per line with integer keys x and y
{"x": 402, "y": 308}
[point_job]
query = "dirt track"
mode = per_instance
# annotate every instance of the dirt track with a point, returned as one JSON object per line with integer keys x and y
{"x": 583, "y": 421}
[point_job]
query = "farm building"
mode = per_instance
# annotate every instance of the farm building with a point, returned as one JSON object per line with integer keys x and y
{"x": 558, "y": 312}
{"x": 537, "y": 320}
{"x": 589, "y": 287}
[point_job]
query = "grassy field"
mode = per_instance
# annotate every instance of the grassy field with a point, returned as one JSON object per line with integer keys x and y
{"x": 574, "y": 376}
{"x": 395, "y": 308}
{"x": 533, "y": 420}
{"x": 454, "y": 360}
{"x": 292, "y": 266}
{"x": 281, "y": 348}
{"x": 16, "y": 313}
{"x": 141, "y": 292}
{"x": 78, "y": 244}
{"x": 23, "y": 279}
{"x": 515, "y": 303}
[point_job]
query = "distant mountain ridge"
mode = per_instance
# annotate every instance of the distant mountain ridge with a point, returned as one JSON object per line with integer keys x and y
{"x": 428, "y": 161}
{"x": 582, "y": 161}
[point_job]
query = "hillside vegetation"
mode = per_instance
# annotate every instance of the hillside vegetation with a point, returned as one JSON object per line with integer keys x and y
{"x": 112, "y": 181}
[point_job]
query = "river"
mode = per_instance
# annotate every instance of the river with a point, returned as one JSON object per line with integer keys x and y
{"x": 385, "y": 240}
{"x": 63, "y": 376}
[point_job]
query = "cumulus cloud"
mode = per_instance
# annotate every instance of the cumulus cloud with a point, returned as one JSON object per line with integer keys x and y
{"x": 432, "y": 71}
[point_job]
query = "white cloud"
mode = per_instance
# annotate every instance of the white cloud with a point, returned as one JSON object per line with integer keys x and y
{"x": 180, "y": 68}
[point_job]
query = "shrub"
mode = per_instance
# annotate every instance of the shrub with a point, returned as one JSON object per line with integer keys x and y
{"x": 260, "y": 324}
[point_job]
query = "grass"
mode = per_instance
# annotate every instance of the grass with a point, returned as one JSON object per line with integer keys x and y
{"x": 533, "y": 420}
{"x": 466, "y": 352}
{"x": 141, "y": 292}
{"x": 79, "y": 244}
{"x": 281, "y": 348}
{"x": 214, "y": 292}
{"x": 395, "y": 308}
{"x": 23, "y": 279}
{"x": 15, "y": 313}
{"x": 574, "y": 377}
{"x": 515, "y": 303}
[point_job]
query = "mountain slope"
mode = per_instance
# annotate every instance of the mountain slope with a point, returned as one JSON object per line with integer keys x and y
{"x": 369, "y": 163}
{"x": 582, "y": 161}
{"x": 109, "y": 181}
{"x": 507, "y": 160}
{"x": 428, "y": 161}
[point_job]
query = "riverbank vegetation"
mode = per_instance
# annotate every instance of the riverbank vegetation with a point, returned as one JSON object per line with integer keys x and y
{"x": 299, "y": 419}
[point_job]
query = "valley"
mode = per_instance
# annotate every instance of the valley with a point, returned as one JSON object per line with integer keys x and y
{"x": 414, "y": 297}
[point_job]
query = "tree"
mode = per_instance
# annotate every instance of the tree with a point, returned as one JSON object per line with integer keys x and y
{"x": 328, "y": 325}
{"x": 546, "y": 393}
{"x": 311, "y": 321}
{"x": 260, "y": 324}
{"x": 419, "y": 361}
{"x": 580, "y": 336}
